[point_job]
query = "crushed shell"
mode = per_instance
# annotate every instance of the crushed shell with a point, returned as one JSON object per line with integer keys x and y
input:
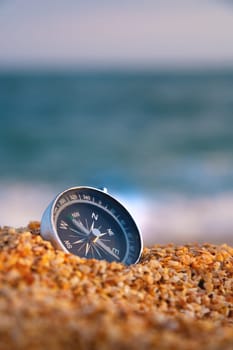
{"x": 176, "y": 297}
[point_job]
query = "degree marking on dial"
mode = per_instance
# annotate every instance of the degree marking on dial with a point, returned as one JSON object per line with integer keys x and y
{"x": 86, "y": 197}
{"x": 73, "y": 197}
{"x": 62, "y": 201}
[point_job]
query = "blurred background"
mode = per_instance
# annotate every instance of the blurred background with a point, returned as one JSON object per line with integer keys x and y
{"x": 133, "y": 95}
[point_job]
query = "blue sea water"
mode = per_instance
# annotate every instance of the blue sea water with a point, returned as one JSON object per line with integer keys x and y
{"x": 142, "y": 134}
{"x": 136, "y": 131}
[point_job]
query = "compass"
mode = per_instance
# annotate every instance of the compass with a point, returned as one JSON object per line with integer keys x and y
{"x": 90, "y": 223}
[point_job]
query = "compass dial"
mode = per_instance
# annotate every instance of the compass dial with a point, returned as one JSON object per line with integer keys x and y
{"x": 90, "y": 223}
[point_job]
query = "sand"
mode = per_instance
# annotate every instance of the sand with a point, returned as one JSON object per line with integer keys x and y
{"x": 176, "y": 297}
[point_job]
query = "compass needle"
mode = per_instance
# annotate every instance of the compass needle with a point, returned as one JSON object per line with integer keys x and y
{"x": 98, "y": 237}
{"x": 79, "y": 241}
{"x": 76, "y": 231}
{"x": 92, "y": 226}
{"x": 96, "y": 250}
{"x": 80, "y": 226}
{"x": 81, "y": 247}
{"x": 103, "y": 234}
{"x": 107, "y": 249}
{"x": 92, "y": 252}
{"x": 87, "y": 248}
{"x": 86, "y": 223}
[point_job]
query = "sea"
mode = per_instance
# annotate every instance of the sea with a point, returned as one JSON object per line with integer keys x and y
{"x": 161, "y": 141}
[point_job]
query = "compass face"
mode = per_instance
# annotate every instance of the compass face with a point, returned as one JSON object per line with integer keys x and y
{"x": 92, "y": 224}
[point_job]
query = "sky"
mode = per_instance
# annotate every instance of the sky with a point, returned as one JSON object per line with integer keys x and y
{"x": 108, "y": 33}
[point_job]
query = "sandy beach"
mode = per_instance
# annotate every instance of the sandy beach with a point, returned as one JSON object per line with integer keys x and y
{"x": 176, "y": 297}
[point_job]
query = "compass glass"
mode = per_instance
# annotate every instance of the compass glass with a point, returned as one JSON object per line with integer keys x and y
{"x": 92, "y": 224}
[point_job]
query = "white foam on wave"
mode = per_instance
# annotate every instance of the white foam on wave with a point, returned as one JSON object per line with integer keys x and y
{"x": 177, "y": 219}
{"x": 21, "y": 203}
{"x": 203, "y": 219}
{"x": 181, "y": 219}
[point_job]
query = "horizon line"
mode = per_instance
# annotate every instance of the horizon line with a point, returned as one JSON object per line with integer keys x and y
{"x": 111, "y": 67}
